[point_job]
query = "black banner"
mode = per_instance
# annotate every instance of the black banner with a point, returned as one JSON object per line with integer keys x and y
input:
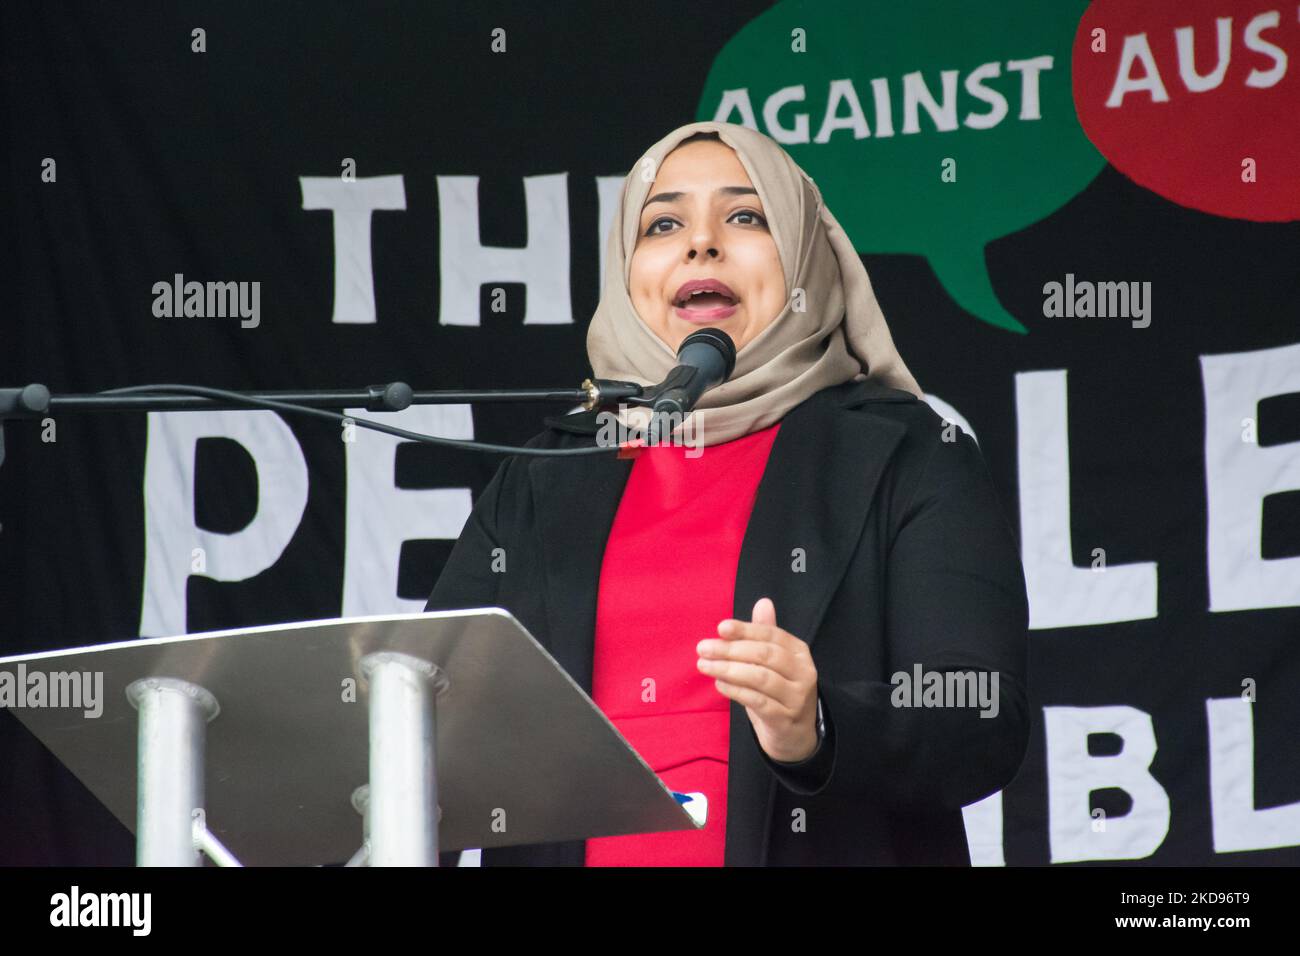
{"x": 334, "y": 195}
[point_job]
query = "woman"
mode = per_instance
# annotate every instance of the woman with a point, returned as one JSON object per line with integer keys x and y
{"x": 830, "y": 536}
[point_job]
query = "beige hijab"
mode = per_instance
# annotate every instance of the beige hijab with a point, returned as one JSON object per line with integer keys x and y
{"x": 839, "y": 335}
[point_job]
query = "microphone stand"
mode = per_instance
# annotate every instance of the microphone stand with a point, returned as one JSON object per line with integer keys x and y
{"x": 35, "y": 401}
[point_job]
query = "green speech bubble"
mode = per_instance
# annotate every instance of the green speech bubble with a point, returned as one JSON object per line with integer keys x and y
{"x": 893, "y": 109}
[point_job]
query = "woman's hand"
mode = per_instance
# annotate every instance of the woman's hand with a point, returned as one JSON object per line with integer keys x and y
{"x": 771, "y": 673}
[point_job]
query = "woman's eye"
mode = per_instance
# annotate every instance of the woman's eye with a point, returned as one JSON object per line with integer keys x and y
{"x": 758, "y": 220}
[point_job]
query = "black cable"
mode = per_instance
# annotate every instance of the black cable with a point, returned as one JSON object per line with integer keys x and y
{"x": 206, "y": 392}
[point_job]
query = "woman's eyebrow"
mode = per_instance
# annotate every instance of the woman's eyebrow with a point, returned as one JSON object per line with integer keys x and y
{"x": 720, "y": 191}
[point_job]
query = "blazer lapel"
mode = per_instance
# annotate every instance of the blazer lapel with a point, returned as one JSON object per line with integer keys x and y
{"x": 575, "y": 500}
{"x": 809, "y": 512}
{"x": 808, "y": 517}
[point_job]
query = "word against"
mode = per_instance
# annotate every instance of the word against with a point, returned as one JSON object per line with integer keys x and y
{"x": 210, "y": 300}
{"x": 76, "y": 689}
{"x": 102, "y": 909}
{"x": 946, "y": 689}
{"x": 1102, "y": 300}
{"x": 843, "y": 108}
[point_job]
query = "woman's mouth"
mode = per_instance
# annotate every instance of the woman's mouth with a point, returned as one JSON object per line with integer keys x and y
{"x": 705, "y": 306}
{"x": 697, "y": 313}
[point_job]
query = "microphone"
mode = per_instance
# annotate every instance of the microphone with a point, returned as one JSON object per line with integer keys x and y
{"x": 705, "y": 360}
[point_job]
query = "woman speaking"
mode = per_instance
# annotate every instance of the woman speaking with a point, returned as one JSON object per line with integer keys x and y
{"x": 816, "y": 616}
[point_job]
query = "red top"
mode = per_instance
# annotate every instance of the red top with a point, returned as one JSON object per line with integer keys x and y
{"x": 668, "y": 577}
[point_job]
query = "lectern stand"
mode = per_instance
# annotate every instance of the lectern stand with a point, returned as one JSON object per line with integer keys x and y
{"x": 296, "y": 744}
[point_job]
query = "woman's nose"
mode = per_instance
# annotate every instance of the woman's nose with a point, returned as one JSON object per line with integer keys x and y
{"x": 704, "y": 238}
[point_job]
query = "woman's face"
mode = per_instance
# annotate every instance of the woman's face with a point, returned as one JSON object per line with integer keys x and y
{"x": 703, "y": 223}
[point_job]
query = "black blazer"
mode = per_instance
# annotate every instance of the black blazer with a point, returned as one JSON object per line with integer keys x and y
{"x": 907, "y": 558}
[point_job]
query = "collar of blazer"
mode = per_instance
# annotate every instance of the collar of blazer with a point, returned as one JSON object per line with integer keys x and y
{"x": 808, "y": 517}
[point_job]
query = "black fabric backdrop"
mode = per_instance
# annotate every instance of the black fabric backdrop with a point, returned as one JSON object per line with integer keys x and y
{"x": 171, "y": 162}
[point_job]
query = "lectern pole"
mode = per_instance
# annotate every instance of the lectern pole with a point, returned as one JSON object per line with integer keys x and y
{"x": 173, "y": 717}
{"x": 403, "y": 797}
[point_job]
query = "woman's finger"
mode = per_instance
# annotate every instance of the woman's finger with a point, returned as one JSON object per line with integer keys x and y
{"x": 733, "y": 629}
{"x": 763, "y": 680}
{"x": 789, "y": 665}
{"x": 767, "y": 708}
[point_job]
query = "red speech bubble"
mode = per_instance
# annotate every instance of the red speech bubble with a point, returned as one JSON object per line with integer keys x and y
{"x": 1198, "y": 101}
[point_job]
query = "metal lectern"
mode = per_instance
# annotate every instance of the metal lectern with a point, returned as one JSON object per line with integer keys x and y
{"x": 295, "y": 744}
